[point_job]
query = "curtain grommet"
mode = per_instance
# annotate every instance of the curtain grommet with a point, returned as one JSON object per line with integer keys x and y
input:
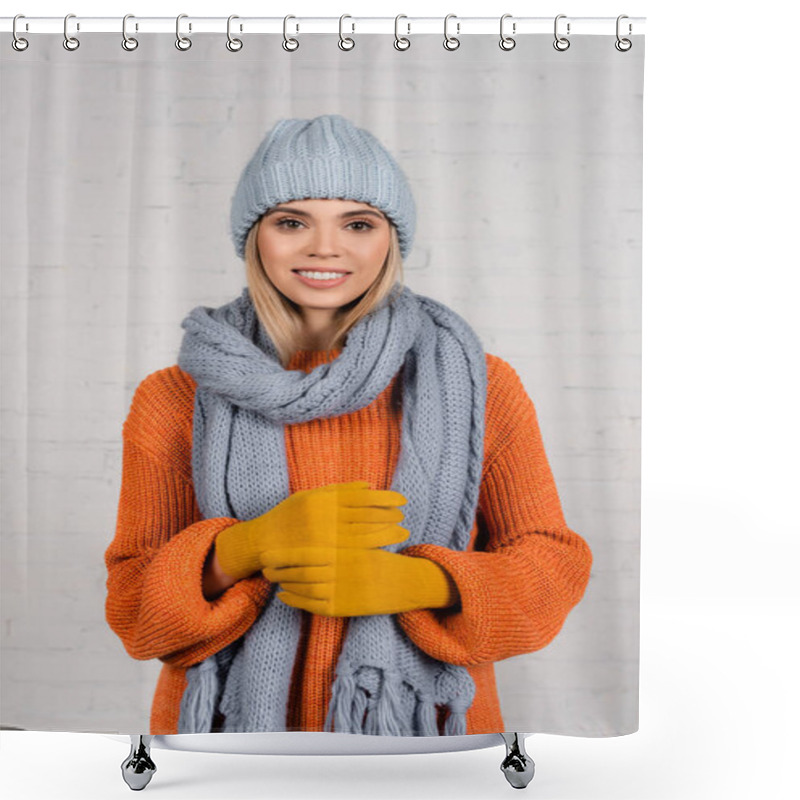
{"x": 233, "y": 44}
{"x": 507, "y": 42}
{"x": 401, "y": 42}
{"x": 451, "y": 42}
{"x": 623, "y": 44}
{"x": 289, "y": 43}
{"x": 346, "y": 42}
{"x": 561, "y": 43}
{"x": 128, "y": 43}
{"x": 70, "y": 42}
{"x": 182, "y": 42}
{"x": 17, "y": 41}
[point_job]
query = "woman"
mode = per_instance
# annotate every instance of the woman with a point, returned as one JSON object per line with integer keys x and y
{"x": 259, "y": 551}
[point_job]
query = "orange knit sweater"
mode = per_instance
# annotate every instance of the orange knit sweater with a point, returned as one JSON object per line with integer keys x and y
{"x": 522, "y": 573}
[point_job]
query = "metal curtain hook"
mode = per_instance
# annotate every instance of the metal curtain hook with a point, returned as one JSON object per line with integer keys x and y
{"x": 507, "y": 42}
{"x": 70, "y": 42}
{"x": 561, "y": 43}
{"x": 400, "y": 42}
{"x": 451, "y": 42}
{"x": 18, "y": 43}
{"x": 128, "y": 42}
{"x": 182, "y": 42}
{"x": 345, "y": 42}
{"x": 233, "y": 44}
{"x": 290, "y": 44}
{"x": 623, "y": 45}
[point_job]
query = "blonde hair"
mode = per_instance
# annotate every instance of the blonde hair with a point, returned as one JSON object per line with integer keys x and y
{"x": 281, "y": 317}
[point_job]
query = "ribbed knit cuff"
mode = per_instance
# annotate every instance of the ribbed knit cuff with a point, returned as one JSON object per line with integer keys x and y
{"x": 235, "y": 552}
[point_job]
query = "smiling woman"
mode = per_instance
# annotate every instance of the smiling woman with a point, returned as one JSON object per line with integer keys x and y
{"x": 297, "y": 314}
{"x": 312, "y": 247}
{"x": 279, "y": 587}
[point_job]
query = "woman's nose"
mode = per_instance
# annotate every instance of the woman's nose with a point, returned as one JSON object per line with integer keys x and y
{"x": 324, "y": 240}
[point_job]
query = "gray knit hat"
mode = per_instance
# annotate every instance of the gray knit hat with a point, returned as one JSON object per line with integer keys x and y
{"x": 322, "y": 157}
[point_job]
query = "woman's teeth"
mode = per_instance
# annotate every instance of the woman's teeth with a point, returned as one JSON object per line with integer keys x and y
{"x": 321, "y": 276}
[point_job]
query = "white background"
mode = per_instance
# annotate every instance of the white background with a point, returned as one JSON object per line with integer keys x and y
{"x": 719, "y": 697}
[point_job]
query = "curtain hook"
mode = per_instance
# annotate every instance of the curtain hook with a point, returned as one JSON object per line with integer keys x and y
{"x": 561, "y": 43}
{"x": 345, "y": 42}
{"x": 451, "y": 42}
{"x": 233, "y": 44}
{"x": 623, "y": 45}
{"x": 290, "y": 44}
{"x": 182, "y": 42}
{"x": 18, "y": 43}
{"x": 128, "y": 42}
{"x": 507, "y": 42}
{"x": 70, "y": 42}
{"x": 400, "y": 42}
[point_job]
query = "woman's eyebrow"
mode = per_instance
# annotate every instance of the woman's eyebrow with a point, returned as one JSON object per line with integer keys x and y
{"x": 343, "y": 215}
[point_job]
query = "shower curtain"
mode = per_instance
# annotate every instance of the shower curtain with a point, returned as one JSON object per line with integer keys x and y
{"x": 118, "y": 171}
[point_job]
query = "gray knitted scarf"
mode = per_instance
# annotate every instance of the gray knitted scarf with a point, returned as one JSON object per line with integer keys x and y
{"x": 384, "y": 683}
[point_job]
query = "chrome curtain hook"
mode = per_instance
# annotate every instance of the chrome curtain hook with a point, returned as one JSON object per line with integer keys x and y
{"x": 18, "y": 43}
{"x": 345, "y": 42}
{"x": 561, "y": 43}
{"x": 623, "y": 45}
{"x": 233, "y": 44}
{"x": 507, "y": 42}
{"x": 451, "y": 42}
{"x": 128, "y": 42}
{"x": 182, "y": 42}
{"x": 70, "y": 42}
{"x": 400, "y": 42}
{"x": 290, "y": 44}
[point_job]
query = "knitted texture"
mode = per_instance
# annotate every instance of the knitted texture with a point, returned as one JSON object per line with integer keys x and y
{"x": 521, "y": 574}
{"x": 325, "y": 157}
{"x": 385, "y": 685}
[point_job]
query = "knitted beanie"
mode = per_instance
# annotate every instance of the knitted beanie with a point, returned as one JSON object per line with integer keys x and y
{"x": 327, "y": 157}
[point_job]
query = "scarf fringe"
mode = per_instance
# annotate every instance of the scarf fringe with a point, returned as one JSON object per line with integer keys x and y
{"x": 455, "y": 724}
{"x": 344, "y": 690}
{"x": 199, "y": 698}
{"x": 386, "y": 715}
{"x": 458, "y": 698}
{"x": 353, "y": 709}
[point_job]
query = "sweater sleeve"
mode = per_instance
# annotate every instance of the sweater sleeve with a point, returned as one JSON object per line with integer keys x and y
{"x": 517, "y": 590}
{"x": 155, "y": 562}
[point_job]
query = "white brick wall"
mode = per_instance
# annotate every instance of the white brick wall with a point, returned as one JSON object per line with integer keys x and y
{"x": 117, "y": 171}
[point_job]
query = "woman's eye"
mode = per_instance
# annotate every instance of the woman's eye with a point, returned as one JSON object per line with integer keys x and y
{"x": 361, "y": 222}
{"x": 283, "y": 221}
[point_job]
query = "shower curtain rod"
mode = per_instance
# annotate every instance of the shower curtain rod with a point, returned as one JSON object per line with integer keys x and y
{"x": 456, "y": 26}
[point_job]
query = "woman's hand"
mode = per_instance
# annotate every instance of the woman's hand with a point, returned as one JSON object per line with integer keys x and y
{"x": 336, "y": 515}
{"x": 338, "y": 582}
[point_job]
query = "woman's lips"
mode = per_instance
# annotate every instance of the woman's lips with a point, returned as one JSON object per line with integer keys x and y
{"x": 323, "y": 284}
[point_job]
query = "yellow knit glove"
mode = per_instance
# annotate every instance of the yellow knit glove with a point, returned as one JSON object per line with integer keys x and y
{"x": 336, "y": 515}
{"x": 353, "y": 582}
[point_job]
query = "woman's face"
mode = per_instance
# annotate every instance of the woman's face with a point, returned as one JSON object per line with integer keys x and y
{"x": 322, "y": 236}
